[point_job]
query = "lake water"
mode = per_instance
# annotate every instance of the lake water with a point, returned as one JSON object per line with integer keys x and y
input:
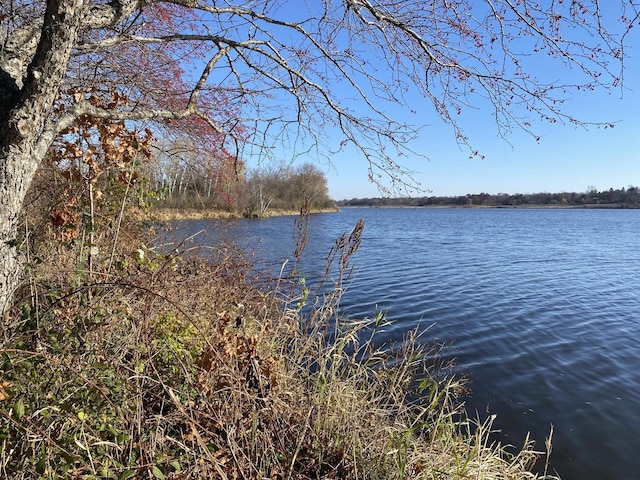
{"x": 542, "y": 308}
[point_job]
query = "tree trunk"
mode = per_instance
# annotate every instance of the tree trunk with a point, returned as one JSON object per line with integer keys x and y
{"x": 15, "y": 174}
{"x": 26, "y": 129}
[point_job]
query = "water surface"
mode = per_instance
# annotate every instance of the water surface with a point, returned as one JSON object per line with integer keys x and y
{"x": 542, "y": 308}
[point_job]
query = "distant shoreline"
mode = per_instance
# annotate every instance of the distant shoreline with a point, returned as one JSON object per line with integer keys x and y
{"x": 592, "y": 199}
{"x": 590, "y": 206}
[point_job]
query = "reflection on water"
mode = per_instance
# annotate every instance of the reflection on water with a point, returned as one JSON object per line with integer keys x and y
{"x": 542, "y": 307}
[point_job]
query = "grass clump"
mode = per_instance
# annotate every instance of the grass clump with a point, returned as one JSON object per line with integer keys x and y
{"x": 157, "y": 366}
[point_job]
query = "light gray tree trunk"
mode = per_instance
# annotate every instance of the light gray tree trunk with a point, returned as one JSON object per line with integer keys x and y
{"x": 26, "y": 108}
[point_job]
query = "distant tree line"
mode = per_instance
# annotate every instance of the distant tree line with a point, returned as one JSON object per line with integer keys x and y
{"x": 186, "y": 181}
{"x": 621, "y": 198}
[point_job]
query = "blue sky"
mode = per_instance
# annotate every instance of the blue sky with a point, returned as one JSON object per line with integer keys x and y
{"x": 567, "y": 158}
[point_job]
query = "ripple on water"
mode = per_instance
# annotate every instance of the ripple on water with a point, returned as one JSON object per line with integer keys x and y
{"x": 542, "y": 308}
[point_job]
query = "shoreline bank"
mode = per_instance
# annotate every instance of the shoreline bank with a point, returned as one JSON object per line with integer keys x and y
{"x": 168, "y": 214}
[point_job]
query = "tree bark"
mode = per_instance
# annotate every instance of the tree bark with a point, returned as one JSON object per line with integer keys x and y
{"x": 24, "y": 131}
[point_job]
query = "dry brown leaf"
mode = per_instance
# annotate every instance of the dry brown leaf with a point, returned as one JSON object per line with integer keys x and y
{"x": 3, "y": 393}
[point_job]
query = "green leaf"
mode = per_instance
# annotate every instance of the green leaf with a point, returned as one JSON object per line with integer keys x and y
{"x": 127, "y": 474}
{"x": 157, "y": 472}
{"x": 18, "y": 409}
{"x": 41, "y": 466}
{"x": 121, "y": 438}
{"x": 160, "y": 457}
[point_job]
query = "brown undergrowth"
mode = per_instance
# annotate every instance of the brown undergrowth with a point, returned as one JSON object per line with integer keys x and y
{"x": 157, "y": 366}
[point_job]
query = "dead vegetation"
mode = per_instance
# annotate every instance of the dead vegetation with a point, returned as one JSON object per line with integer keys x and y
{"x": 150, "y": 365}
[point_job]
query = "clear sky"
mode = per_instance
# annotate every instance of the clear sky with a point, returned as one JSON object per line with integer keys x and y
{"x": 567, "y": 158}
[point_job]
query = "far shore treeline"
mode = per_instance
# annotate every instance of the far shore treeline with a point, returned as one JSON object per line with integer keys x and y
{"x": 612, "y": 198}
